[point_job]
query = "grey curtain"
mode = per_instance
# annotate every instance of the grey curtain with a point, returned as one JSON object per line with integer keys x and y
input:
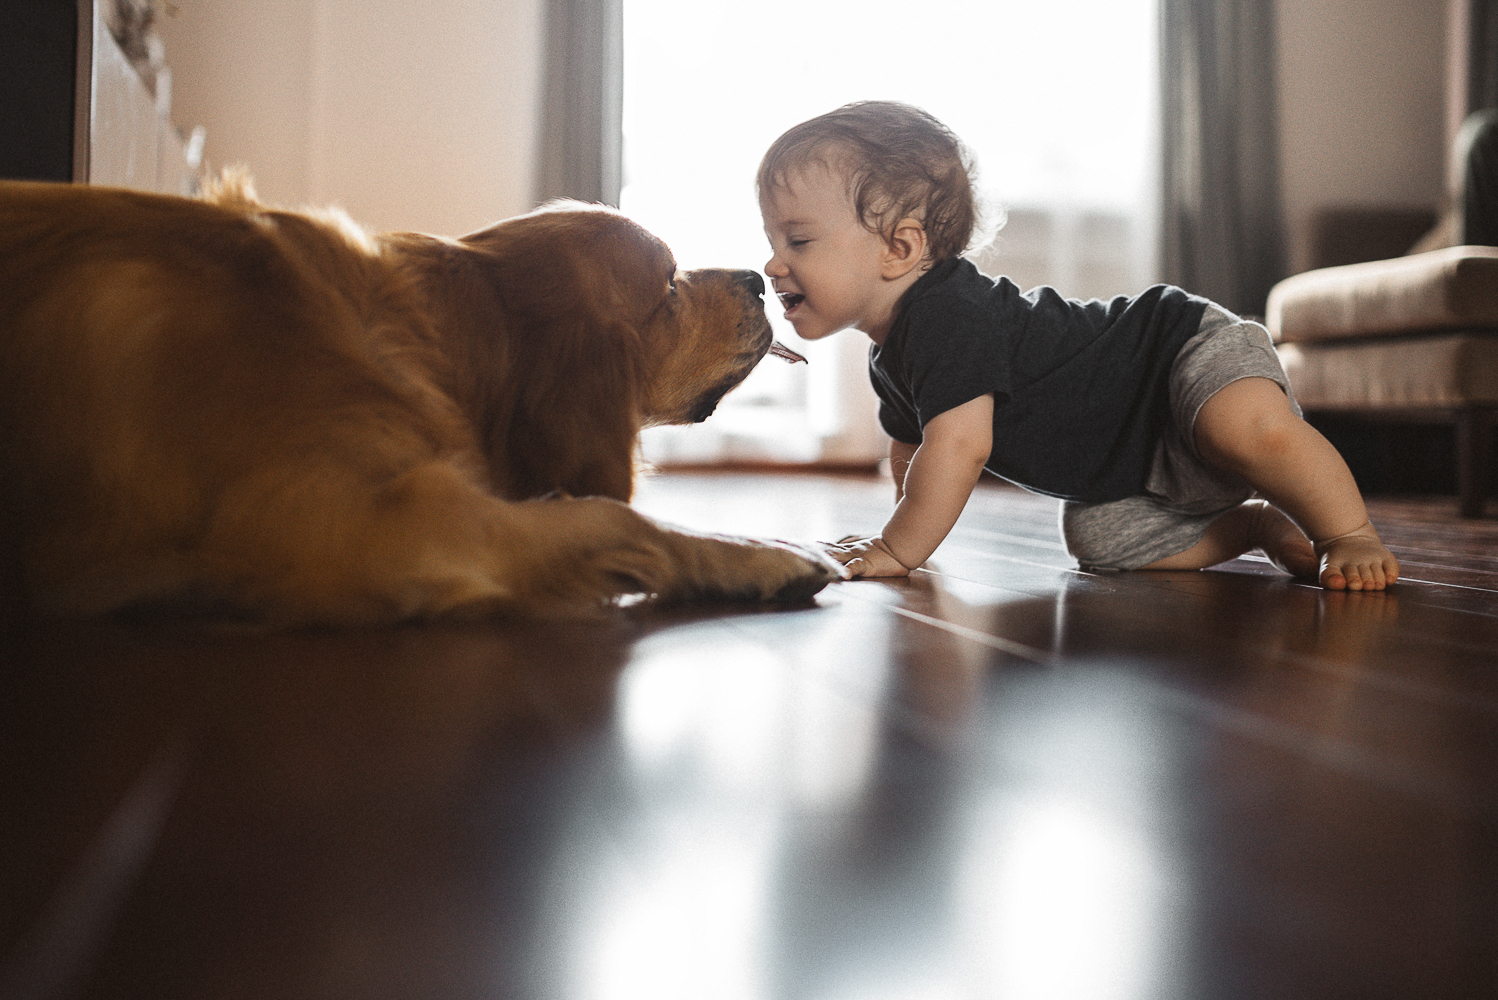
{"x": 580, "y": 153}
{"x": 1482, "y": 54}
{"x": 1223, "y": 235}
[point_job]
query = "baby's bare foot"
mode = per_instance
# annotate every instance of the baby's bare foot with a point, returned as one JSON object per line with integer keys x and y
{"x": 1282, "y": 542}
{"x": 1357, "y": 560}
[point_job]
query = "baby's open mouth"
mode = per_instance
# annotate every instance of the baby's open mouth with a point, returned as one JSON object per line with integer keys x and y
{"x": 791, "y": 300}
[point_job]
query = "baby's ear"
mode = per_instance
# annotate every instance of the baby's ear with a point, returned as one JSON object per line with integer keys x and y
{"x": 905, "y": 248}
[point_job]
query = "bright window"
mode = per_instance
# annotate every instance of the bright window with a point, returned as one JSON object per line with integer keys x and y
{"x": 1055, "y": 98}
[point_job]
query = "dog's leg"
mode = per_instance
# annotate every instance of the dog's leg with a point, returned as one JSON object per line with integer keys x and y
{"x": 595, "y": 549}
{"x": 433, "y": 544}
{"x": 428, "y": 543}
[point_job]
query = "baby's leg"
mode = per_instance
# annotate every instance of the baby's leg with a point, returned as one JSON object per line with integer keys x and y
{"x": 1249, "y": 428}
{"x": 1249, "y": 526}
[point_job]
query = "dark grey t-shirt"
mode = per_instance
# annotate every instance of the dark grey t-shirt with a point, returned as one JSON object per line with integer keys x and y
{"x": 1080, "y": 388}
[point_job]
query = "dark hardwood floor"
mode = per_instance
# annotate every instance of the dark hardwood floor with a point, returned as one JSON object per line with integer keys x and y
{"x": 1001, "y": 778}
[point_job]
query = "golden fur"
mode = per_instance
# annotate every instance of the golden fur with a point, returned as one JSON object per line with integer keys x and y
{"x": 213, "y": 405}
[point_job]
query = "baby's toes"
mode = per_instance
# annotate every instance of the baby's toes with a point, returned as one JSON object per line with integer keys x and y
{"x": 1378, "y": 576}
{"x": 1332, "y": 577}
{"x": 1365, "y": 576}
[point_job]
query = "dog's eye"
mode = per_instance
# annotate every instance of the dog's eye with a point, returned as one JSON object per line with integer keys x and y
{"x": 671, "y": 284}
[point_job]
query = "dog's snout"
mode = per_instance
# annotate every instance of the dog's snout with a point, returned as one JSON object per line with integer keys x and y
{"x": 752, "y": 281}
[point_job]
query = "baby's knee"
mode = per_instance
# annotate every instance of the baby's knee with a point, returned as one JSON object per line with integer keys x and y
{"x": 1245, "y": 425}
{"x": 1247, "y": 446}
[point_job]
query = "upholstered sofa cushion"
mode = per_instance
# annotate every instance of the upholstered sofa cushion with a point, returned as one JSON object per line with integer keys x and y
{"x": 1454, "y": 288}
{"x": 1431, "y": 372}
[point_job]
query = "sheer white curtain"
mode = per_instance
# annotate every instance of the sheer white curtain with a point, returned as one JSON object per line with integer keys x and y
{"x": 1057, "y": 100}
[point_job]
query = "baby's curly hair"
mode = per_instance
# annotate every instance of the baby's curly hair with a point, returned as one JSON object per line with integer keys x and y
{"x": 900, "y": 163}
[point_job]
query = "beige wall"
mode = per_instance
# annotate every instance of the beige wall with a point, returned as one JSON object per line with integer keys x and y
{"x": 410, "y": 116}
{"x": 1363, "y": 112}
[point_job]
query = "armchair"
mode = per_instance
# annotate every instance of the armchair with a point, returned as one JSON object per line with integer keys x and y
{"x": 1412, "y": 337}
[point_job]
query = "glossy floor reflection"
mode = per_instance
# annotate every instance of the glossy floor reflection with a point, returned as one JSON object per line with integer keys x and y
{"x": 1000, "y": 778}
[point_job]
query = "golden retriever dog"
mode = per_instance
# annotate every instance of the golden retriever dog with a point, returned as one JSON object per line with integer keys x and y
{"x": 211, "y": 406}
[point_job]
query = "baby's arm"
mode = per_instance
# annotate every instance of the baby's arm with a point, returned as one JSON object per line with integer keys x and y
{"x": 900, "y": 455}
{"x": 930, "y": 492}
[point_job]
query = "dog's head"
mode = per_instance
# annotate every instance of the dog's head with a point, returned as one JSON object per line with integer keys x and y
{"x": 607, "y": 333}
{"x": 699, "y": 333}
{"x": 717, "y": 330}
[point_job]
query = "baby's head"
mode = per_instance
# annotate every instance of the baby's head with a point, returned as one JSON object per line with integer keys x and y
{"x": 898, "y": 162}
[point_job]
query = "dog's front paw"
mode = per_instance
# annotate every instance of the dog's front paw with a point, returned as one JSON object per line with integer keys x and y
{"x": 724, "y": 568}
{"x": 779, "y": 572}
{"x": 817, "y": 570}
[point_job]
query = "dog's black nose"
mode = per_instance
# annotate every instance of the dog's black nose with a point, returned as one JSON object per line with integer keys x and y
{"x": 752, "y": 281}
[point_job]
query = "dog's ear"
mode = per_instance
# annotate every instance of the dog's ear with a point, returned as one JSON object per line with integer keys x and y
{"x": 576, "y": 290}
{"x": 575, "y": 414}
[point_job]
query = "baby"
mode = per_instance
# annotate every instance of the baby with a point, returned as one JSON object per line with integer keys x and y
{"x": 1155, "y": 419}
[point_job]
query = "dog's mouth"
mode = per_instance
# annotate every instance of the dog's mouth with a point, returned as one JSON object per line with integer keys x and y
{"x": 709, "y": 402}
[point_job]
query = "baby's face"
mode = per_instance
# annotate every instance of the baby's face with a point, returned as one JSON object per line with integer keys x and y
{"x": 825, "y": 264}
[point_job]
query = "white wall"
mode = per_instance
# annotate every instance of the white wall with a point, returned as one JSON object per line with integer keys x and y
{"x": 1362, "y": 106}
{"x": 410, "y": 116}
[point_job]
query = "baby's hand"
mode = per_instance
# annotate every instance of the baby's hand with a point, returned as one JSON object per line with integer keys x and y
{"x": 865, "y": 557}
